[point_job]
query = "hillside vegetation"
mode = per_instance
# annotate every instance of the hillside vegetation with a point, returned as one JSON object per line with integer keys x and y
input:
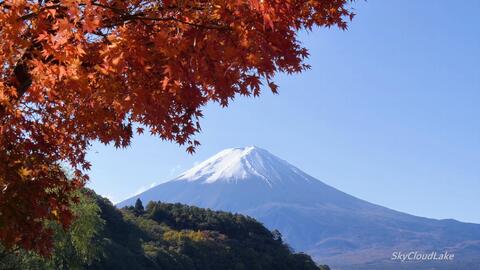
{"x": 160, "y": 236}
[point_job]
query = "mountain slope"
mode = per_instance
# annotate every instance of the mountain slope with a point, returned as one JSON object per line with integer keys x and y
{"x": 333, "y": 226}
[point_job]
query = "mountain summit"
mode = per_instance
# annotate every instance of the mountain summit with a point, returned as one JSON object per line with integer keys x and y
{"x": 332, "y": 226}
{"x": 237, "y": 164}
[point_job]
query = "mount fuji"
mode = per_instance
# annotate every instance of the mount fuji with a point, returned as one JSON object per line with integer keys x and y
{"x": 332, "y": 226}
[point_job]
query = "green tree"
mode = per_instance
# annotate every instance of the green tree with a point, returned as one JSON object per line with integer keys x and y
{"x": 138, "y": 209}
{"x": 277, "y": 235}
{"x": 74, "y": 248}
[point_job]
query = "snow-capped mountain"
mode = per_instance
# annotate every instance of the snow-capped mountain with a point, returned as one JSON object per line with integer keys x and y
{"x": 237, "y": 164}
{"x": 334, "y": 227}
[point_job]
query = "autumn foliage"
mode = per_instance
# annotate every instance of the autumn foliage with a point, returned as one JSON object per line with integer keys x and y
{"x": 74, "y": 71}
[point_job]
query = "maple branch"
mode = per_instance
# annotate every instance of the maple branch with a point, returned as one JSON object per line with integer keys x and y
{"x": 139, "y": 16}
{"x": 114, "y": 9}
{"x": 23, "y": 82}
{"x": 34, "y": 14}
{"x": 207, "y": 26}
{"x": 23, "y": 78}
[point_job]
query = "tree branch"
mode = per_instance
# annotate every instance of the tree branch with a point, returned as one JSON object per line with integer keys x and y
{"x": 22, "y": 77}
{"x": 207, "y": 26}
{"x": 34, "y": 14}
{"x": 140, "y": 16}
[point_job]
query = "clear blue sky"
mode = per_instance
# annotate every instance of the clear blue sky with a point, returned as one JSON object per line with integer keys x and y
{"x": 389, "y": 112}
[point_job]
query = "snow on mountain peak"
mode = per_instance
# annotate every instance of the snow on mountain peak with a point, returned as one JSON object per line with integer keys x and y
{"x": 234, "y": 164}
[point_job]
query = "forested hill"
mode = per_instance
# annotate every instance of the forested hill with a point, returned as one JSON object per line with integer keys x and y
{"x": 175, "y": 236}
{"x": 163, "y": 236}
